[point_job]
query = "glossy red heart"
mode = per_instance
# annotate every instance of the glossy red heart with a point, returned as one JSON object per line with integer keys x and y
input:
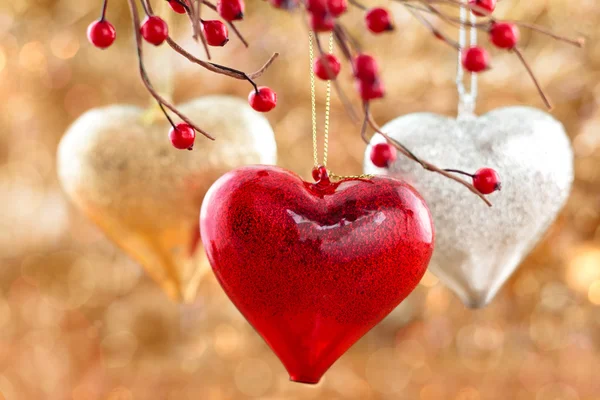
{"x": 313, "y": 267}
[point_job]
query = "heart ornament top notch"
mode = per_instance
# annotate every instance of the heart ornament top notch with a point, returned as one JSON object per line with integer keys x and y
{"x": 314, "y": 267}
{"x": 477, "y": 247}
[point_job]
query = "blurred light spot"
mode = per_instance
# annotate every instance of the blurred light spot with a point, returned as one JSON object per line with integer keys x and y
{"x": 557, "y": 391}
{"x": 120, "y": 393}
{"x": 421, "y": 375}
{"x": 58, "y": 76}
{"x": 438, "y": 332}
{"x": 32, "y": 57}
{"x": 432, "y": 392}
{"x": 584, "y": 268}
{"x": 7, "y": 390}
{"x": 411, "y": 352}
{"x": 64, "y": 45}
{"x": 5, "y": 313}
{"x": 526, "y": 285}
{"x": 80, "y": 98}
{"x": 253, "y": 377}
{"x": 468, "y": 393}
{"x": 226, "y": 340}
{"x": 546, "y": 332}
{"x": 438, "y": 300}
{"x": 480, "y": 346}
{"x": 555, "y": 296}
{"x": 118, "y": 349}
{"x": 2, "y": 59}
{"x": 386, "y": 372}
{"x": 594, "y": 293}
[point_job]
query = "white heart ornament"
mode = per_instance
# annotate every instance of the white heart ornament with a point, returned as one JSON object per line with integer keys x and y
{"x": 121, "y": 170}
{"x": 478, "y": 247}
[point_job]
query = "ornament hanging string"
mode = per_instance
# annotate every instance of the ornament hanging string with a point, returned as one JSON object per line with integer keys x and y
{"x": 466, "y": 99}
{"x": 313, "y": 101}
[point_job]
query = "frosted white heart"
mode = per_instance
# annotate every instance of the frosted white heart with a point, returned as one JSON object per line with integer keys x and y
{"x": 478, "y": 248}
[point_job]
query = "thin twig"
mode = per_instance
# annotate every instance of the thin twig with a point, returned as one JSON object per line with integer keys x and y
{"x": 579, "y": 42}
{"x": 425, "y": 164}
{"x": 358, "y": 5}
{"x": 432, "y": 28}
{"x": 221, "y": 69}
{"x": 162, "y": 101}
{"x": 194, "y": 16}
{"x": 533, "y": 78}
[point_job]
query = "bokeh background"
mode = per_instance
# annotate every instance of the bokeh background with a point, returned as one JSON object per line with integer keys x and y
{"x": 79, "y": 320}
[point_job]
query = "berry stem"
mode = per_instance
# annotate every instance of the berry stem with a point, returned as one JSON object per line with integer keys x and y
{"x": 358, "y": 5}
{"x": 161, "y": 101}
{"x": 458, "y": 171}
{"x": 425, "y": 164}
{"x": 231, "y": 24}
{"x": 167, "y": 116}
{"x": 104, "y": 7}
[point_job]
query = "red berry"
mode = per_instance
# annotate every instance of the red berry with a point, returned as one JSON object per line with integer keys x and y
{"x": 182, "y": 136}
{"x": 326, "y": 64}
{"x": 155, "y": 30}
{"x": 370, "y": 90}
{"x": 337, "y": 7}
{"x": 101, "y": 34}
{"x": 486, "y": 180}
{"x": 177, "y": 6}
{"x": 504, "y": 35}
{"x": 263, "y": 101}
{"x": 231, "y": 10}
{"x": 215, "y": 32}
{"x": 383, "y": 154}
{"x": 316, "y": 6}
{"x": 486, "y": 5}
{"x": 475, "y": 59}
{"x": 321, "y": 21}
{"x": 365, "y": 68}
{"x": 378, "y": 20}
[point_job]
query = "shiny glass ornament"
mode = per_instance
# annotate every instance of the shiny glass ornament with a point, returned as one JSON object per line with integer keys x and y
{"x": 314, "y": 266}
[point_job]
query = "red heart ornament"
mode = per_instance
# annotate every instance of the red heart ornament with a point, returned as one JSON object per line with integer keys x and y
{"x": 314, "y": 266}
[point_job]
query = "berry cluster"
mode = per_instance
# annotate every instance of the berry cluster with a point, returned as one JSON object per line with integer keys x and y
{"x": 155, "y": 30}
{"x": 325, "y": 16}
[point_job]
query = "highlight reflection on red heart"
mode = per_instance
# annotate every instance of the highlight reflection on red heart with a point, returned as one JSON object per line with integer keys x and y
{"x": 311, "y": 266}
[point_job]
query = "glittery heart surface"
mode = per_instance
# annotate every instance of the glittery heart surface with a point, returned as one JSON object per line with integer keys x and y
{"x": 313, "y": 267}
{"x": 118, "y": 166}
{"x": 477, "y": 247}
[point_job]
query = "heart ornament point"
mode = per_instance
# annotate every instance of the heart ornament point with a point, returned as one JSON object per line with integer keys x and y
{"x": 121, "y": 170}
{"x": 314, "y": 267}
{"x": 477, "y": 247}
